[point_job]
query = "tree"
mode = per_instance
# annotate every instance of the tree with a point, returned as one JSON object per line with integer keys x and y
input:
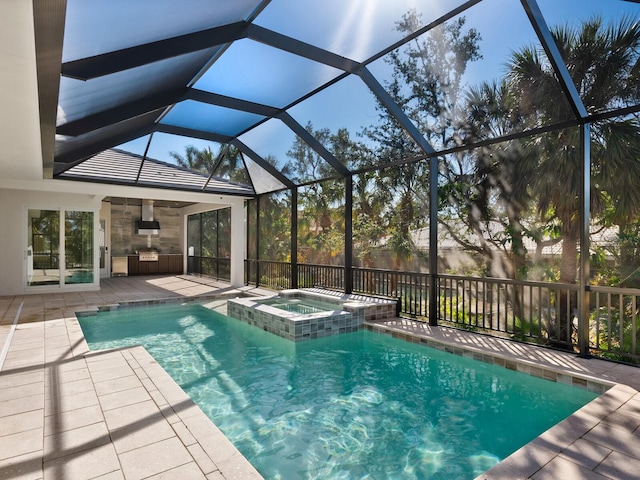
{"x": 491, "y": 186}
{"x": 426, "y": 78}
{"x": 320, "y": 222}
{"x": 227, "y": 163}
{"x": 603, "y": 63}
{"x": 199, "y": 160}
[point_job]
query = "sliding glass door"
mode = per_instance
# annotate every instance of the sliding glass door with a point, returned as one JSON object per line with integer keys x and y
{"x": 43, "y": 247}
{"x": 78, "y": 247}
{"x": 60, "y": 247}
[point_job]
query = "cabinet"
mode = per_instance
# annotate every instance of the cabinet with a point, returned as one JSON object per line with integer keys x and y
{"x": 166, "y": 264}
{"x": 148, "y": 268}
{"x": 175, "y": 264}
{"x": 163, "y": 263}
{"x": 132, "y": 261}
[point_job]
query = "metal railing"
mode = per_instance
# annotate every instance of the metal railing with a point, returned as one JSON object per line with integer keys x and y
{"x": 538, "y": 312}
{"x": 613, "y": 323}
{"x": 410, "y": 288}
{"x": 267, "y": 273}
{"x": 325, "y": 276}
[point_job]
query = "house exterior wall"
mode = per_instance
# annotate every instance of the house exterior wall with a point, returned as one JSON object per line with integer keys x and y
{"x": 13, "y": 234}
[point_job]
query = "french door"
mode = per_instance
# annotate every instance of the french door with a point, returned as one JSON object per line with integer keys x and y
{"x": 60, "y": 247}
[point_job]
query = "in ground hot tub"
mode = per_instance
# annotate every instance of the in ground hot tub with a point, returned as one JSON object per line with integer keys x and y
{"x": 309, "y": 313}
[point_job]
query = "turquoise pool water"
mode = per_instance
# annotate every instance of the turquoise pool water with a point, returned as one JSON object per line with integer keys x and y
{"x": 304, "y": 307}
{"x": 353, "y": 406}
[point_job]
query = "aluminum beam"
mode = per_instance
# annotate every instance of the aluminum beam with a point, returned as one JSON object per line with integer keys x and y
{"x": 230, "y": 102}
{"x": 585, "y": 219}
{"x": 302, "y": 49}
{"x": 294, "y": 237}
{"x": 395, "y": 110}
{"x": 120, "y": 113}
{"x": 273, "y": 171}
{"x": 192, "y": 133}
{"x": 127, "y": 58}
{"x": 94, "y": 148}
{"x": 314, "y": 143}
{"x": 553, "y": 53}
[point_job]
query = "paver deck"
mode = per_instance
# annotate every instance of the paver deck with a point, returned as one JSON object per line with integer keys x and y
{"x": 68, "y": 413}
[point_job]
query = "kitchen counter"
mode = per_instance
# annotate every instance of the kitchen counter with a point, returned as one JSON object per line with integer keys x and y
{"x": 169, "y": 263}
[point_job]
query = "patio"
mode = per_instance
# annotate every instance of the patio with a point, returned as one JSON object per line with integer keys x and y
{"x": 65, "y": 411}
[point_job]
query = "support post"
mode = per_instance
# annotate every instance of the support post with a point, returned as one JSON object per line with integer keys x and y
{"x": 585, "y": 219}
{"x": 258, "y": 198}
{"x": 433, "y": 242}
{"x": 348, "y": 234}
{"x": 294, "y": 237}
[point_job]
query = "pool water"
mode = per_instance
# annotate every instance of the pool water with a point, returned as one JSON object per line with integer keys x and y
{"x": 302, "y": 307}
{"x": 358, "y": 405}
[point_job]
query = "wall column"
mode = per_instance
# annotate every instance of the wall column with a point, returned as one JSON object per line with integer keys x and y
{"x": 238, "y": 242}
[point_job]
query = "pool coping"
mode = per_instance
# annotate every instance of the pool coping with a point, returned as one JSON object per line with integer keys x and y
{"x": 550, "y": 448}
{"x": 208, "y": 446}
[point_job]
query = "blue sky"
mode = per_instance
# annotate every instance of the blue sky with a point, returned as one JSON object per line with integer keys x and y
{"x": 356, "y": 29}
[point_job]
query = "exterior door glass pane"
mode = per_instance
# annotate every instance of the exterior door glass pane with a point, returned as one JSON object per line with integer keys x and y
{"x": 78, "y": 229}
{"x": 102, "y": 239}
{"x": 193, "y": 242}
{"x": 43, "y": 247}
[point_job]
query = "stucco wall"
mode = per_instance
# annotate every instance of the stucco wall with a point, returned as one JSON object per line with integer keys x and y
{"x": 13, "y": 231}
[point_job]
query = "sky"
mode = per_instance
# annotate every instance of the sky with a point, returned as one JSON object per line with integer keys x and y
{"x": 355, "y": 29}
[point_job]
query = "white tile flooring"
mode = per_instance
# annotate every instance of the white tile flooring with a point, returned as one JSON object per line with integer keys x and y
{"x": 68, "y": 413}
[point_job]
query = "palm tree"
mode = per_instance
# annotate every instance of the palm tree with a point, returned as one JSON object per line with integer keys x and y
{"x": 195, "y": 159}
{"x": 497, "y": 185}
{"x": 604, "y": 64}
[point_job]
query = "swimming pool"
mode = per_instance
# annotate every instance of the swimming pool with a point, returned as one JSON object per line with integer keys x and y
{"x": 357, "y": 405}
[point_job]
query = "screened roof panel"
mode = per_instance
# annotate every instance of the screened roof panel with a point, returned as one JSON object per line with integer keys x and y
{"x": 262, "y": 181}
{"x": 210, "y": 118}
{"x": 118, "y": 24}
{"x": 450, "y": 89}
{"x": 356, "y": 29}
{"x": 165, "y": 147}
{"x": 561, "y": 13}
{"x": 345, "y": 107}
{"x": 207, "y": 73}
{"x": 80, "y": 99}
{"x": 600, "y": 44}
{"x": 76, "y": 148}
{"x": 271, "y": 140}
{"x": 292, "y": 155}
{"x": 200, "y": 158}
{"x": 252, "y": 71}
{"x": 232, "y": 167}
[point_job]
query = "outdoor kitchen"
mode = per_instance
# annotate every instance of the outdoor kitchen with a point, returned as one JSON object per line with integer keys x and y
{"x": 145, "y": 238}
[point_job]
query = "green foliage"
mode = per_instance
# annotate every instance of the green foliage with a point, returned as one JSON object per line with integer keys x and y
{"x": 615, "y": 341}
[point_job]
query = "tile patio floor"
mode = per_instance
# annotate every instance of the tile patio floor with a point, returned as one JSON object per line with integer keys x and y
{"x": 68, "y": 413}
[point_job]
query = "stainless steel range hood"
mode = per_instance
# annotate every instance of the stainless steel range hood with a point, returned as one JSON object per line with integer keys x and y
{"x": 147, "y": 226}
